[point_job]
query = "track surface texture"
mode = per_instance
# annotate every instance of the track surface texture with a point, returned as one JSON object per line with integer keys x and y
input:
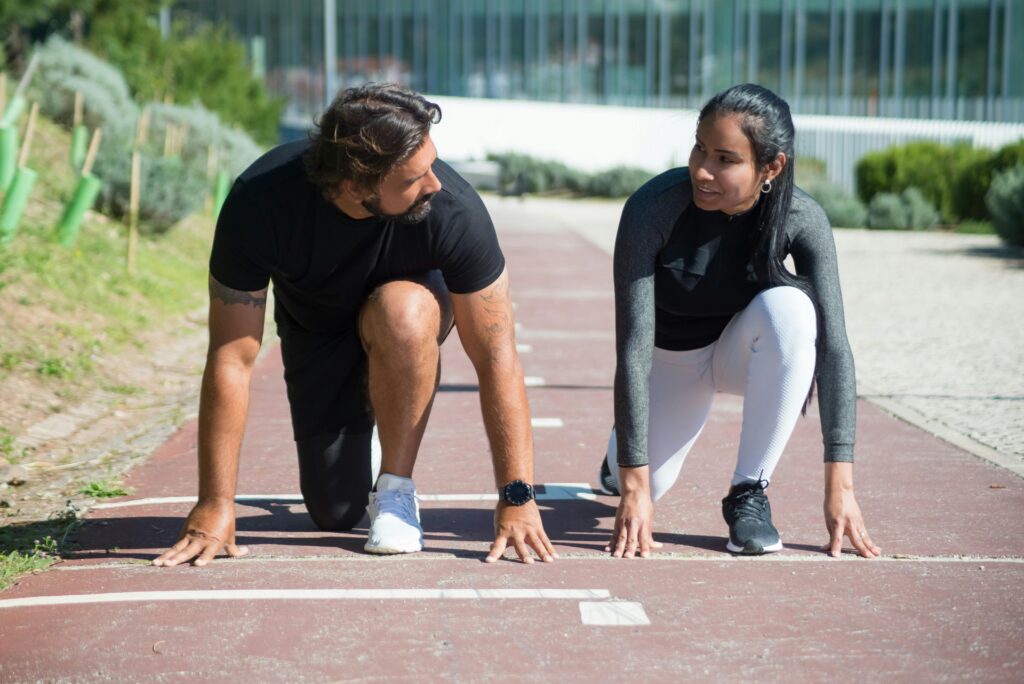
{"x": 943, "y": 603}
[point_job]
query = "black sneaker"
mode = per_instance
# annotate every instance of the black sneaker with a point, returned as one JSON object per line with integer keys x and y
{"x": 749, "y": 516}
{"x": 606, "y": 483}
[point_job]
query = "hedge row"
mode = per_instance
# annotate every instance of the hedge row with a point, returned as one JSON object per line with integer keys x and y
{"x": 520, "y": 173}
{"x": 954, "y": 178}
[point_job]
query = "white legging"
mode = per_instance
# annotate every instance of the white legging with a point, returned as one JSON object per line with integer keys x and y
{"x": 766, "y": 355}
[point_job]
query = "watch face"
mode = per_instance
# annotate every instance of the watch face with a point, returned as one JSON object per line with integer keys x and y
{"x": 518, "y": 492}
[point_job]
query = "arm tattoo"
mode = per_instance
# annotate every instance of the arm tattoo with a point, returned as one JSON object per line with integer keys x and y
{"x": 495, "y": 303}
{"x": 229, "y": 296}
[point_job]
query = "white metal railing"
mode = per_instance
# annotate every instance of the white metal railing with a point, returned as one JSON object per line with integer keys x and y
{"x": 597, "y": 137}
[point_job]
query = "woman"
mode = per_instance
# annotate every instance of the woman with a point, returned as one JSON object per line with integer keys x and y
{"x": 703, "y": 304}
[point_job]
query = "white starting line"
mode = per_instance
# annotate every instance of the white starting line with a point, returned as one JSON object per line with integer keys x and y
{"x": 592, "y": 610}
{"x": 546, "y": 422}
{"x": 552, "y": 491}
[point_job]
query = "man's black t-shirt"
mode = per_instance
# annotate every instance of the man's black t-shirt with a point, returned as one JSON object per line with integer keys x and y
{"x": 276, "y": 226}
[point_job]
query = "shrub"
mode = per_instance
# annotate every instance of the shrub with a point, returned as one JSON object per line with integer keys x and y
{"x": 235, "y": 149}
{"x": 975, "y": 175}
{"x": 1005, "y": 200}
{"x": 537, "y": 175}
{"x": 908, "y": 210}
{"x": 842, "y": 209}
{"x": 887, "y": 212}
{"x": 921, "y": 215}
{"x": 65, "y": 69}
{"x": 970, "y": 185}
{"x": 875, "y": 173}
{"x": 171, "y": 188}
{"x": 620, "y": 181}
{"x": 208, "y": 66}
{"x": 928, "y": 166}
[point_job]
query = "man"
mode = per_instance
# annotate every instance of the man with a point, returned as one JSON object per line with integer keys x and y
{"x": 375, "y": 248}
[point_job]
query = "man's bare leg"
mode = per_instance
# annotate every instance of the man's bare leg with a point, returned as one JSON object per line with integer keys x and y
{"x": 402, "y": 325}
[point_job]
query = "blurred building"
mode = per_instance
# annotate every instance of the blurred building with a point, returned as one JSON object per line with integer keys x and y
{"x": 932, "y": 59}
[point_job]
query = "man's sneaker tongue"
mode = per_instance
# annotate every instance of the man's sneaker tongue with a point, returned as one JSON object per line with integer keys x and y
{"x": 388, "y": 482}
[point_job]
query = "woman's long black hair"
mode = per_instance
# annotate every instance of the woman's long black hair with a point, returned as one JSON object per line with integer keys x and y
{"x": 766, "y": 121}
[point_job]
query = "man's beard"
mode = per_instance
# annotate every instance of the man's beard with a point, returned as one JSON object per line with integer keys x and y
{"x": 414, "y": 214}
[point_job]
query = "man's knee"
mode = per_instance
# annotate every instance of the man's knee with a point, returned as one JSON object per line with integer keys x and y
{"x": 336, "y": 515}
{"x": 402, "y": 314}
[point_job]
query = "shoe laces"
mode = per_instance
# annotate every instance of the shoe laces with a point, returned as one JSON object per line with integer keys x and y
{"x": 749, "y": 500}
{"x": 397, "y": 502}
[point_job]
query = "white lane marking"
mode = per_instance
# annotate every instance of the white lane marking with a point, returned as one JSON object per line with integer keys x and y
{"x": 524, "y": 348}
{"x": 620, "y": 613}
{"x": 553, "y": 491}
{"x": 533, "y": 381}
{"x": 306, "y": 594}
{"x": 547, "y": 422}
{"x": 684, "y": 557}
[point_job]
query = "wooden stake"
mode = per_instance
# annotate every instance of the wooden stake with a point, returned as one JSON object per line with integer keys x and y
{"x": 27, "y": 76}
{"x": 133, "y": 209}
{"x": 182, "y": 138}
{"x": 30, "y": 128}
{"x": 211, "y": 169}
{"x": 77, "y": 120}
{"x": 142, "y": 129}
{"x": 168, "y": 133}
{"x": 94, "y": 148}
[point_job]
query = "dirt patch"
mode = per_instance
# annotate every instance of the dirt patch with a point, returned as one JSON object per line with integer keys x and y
{"x": 64, "y": 435}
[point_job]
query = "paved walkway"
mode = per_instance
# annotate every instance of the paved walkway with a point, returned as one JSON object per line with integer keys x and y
{"x": 944, "y": 602}
{"x": 936, "y": 322}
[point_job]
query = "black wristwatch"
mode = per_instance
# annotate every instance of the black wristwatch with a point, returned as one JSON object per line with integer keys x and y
{"x": 517, "y": 492}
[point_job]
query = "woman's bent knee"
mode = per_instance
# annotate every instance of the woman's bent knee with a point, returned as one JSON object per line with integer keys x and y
{"x": 788, "y": 313}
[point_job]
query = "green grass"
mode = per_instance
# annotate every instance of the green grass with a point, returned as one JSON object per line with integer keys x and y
{"x": 6, "y": 443}
{"x": 79, "y": 302}
{"x": 30, "y": 547}
{"x": 103, "y": 489}
{"x": 974, "y": 228}
{"x": 64, "y": 311}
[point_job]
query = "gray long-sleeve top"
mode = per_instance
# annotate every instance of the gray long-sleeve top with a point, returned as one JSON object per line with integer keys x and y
{"x": 647, "y": 223}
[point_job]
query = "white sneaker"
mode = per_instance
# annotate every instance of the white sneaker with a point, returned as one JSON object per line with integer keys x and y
{"x": 394, "y": 517}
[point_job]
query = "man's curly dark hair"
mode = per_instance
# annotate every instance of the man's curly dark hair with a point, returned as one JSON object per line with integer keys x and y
{"x": 365, "y": 133}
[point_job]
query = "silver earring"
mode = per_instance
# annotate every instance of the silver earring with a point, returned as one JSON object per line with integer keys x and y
{"x": 766, "y": 187}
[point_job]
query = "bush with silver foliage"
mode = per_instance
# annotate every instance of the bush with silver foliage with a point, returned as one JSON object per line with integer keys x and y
{"x": 172, "y": 187}
{"x": 1005, "y": 201}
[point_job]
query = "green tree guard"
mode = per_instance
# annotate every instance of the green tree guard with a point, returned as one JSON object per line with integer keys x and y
{"x": 70, "y": 224}
{"x": 220, "y": 192}
{"x": 8, "y": 156}
{"x": 14, "y": 109}
{"x": 79, "y": 146}
{"x": 14, "y": 203}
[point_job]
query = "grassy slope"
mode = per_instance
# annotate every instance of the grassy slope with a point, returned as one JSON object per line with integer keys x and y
{"x": 69, "y": 315}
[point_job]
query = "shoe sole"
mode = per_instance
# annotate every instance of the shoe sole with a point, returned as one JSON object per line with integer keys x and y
{"x": 771, "y": 548}
{"x": 391, "y": 550}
